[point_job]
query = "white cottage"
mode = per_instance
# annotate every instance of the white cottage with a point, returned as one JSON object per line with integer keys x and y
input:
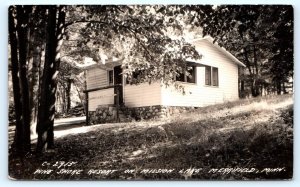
{"x": 214, "y": 80}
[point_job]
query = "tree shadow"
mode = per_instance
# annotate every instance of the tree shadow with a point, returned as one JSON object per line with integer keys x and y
{"x": 68, "y": 126}
{"x": 199, "y": 144}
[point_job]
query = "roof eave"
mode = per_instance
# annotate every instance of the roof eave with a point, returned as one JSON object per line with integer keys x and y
{"x": 223, "y": 50}
{"x": 108, "y": 65}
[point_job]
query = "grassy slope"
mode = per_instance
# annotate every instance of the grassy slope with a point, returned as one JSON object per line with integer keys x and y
{"x": 256, "y": 133}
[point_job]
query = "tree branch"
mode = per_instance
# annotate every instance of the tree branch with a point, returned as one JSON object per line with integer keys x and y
{"x": 84, "y": 21}
{"x": 139, "y": 41}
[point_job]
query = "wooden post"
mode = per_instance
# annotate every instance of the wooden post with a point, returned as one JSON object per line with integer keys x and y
{"x": 87, "y": 108}
{"x": 86, "y": 102}
{"x": 117, "y": 99}
{"x": 117, "y": 102}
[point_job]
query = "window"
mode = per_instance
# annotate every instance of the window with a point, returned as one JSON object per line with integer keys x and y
{"x": 180, "y": 77}
{"x": 207, "y": 75}
{"x": 215, "y": 77}
{"x": 211, "y": 76}
{"x": 136, "y": 77}
{"x": 187, "y": 76}
{"x": 191, "y": 77}
{"x": 110, "y": 77}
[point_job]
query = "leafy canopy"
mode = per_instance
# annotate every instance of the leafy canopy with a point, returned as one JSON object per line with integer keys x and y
{"x": 148, "y": 38}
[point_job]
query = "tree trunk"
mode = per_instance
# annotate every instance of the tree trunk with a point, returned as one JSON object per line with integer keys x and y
{"x": 278, "y": 87}
{"x": 253, "y": 73}
{"x": 63, "y": 98}
{"x": 79, "y": 95}
{"x": 254, "y": 88}
{"x": 59, "y": 96}
{"x": 241, "y": 83}
{"x": 68, "y": 93}
{"x": 31, "y": 78}
{"x": 255, "y": 61}
{"x": 23, "y": 19}
{"x": 242, "y": 89}
{"x": 34, "y": 59}
{"x": 34, "y": 87}
{"x": 44, "y": 118}
{"x": 256, "y": 75}
{"x": 59, "y": 36}
{"x": 18, "y": 142}
{"x": 54, "y": 38}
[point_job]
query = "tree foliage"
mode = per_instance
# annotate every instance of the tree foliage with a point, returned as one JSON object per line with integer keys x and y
{"x": 261, "y": 36}
{"x": 147, "y": 37}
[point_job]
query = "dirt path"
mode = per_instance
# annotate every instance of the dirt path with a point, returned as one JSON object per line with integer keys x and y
{"x": 63, "y": 123}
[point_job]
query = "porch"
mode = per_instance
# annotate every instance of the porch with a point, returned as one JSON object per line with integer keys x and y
{"x": 107, "y": 97}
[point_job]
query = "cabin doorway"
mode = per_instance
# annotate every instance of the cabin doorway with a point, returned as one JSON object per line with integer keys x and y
{"x": 118, "y": 77}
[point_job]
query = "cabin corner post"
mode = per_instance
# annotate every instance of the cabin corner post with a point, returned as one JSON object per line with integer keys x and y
{"x": 87, "y": 108}
{"x": 117, "y": 102}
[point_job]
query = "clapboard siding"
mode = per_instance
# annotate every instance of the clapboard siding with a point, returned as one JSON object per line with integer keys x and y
{"x": 199, "y": 94}
{"x": 101, "y": 97}
{"x": 228, "y": 70}
{"x": 96, "y": 78}
{"x": 196, "y": 95}
{"x": 142, "y": 95}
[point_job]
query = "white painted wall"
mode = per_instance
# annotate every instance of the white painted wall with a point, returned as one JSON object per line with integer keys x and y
{"x": 199, "y": 94}
{"x": 142, "y": 95}
{"x": 101, "y": 97}
{"x": 96, "y": 78}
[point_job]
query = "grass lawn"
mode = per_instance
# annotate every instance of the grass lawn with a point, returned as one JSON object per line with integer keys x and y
{"x": 248, "y": 139}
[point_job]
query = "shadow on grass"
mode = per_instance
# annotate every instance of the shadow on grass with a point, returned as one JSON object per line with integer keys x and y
{"x": 67, "y": 126}
{"x": 200, "y": 144}
{"x": 265, "y": 147}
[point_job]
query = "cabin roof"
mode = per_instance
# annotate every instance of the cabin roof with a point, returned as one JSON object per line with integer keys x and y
{"x": 109, "y": 64}
{"x": 221, "y": 49}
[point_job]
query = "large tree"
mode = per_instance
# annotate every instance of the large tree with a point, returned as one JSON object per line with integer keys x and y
{"x": 54, "y": 38}
{"x": 282, "y": 62}
{"x": 18, "y": 36}
{"x": 26, "y": 31}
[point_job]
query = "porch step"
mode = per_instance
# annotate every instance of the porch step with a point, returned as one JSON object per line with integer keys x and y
{"x": 123, "y": 116}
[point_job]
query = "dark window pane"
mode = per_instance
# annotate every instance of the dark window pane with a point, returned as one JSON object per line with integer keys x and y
{"x": 207, "y": 75}
{"x": 191, "y": 77}
{"x": 215, "y": 77}
{"x": 180, "y": 77}
{"x": 110, "y": 77}
{"x": 138, "y": 76}
{"x": 188, "y": 76}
